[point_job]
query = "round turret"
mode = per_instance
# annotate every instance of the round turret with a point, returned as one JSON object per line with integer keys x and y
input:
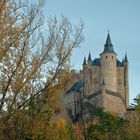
{"x": 108, "y": 65}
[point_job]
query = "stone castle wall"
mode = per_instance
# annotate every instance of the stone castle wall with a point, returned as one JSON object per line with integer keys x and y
{"x": 120, "y": 81}
{"x": 113, "y": 104}
{"x": 91, "y": 80}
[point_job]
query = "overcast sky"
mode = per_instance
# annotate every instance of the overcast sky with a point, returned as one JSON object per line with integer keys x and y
{"x": 121, "y": 17}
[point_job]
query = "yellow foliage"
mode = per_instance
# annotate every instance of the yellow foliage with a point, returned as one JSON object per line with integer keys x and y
{"x": 61, "y": 124}
{"x": 2, "y": 6}
{"x": 78, "y": 131}
{"x": 28, "y": 96}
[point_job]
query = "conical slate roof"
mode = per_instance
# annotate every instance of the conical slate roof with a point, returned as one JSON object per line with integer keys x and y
{"x": 89, "y": 57}
{"x": 108, "y": 47}
{"x": 126, "y": 59}
{"x": 84, "y": 62}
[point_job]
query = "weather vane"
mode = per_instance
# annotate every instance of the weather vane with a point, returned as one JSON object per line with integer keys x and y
{"x": 108, "y": 29}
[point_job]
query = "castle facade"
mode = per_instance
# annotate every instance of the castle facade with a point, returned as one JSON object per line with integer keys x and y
{"x": 103, "y": 82}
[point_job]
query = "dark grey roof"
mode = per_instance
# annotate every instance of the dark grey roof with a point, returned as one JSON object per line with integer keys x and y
{"x": 84, "y": 62}
{"x": 76, "y": 87}
{"x": 89, "y": 57}
{"x": 125, "y": 58}
{"x": 108, "y": 47}
{"x": 96, "y": 62}
{"x": 119, "y": 64}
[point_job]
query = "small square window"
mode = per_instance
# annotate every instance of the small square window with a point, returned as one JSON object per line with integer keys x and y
{"x": 119, "y": 81}
{"x": 95, "y": 80}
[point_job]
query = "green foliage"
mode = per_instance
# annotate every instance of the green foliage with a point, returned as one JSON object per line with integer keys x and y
{"x": 133, "y": 128}
{"x": 107, "y": 126}
{"x": 138, "y": 105}
{"x": 70, "y": 131}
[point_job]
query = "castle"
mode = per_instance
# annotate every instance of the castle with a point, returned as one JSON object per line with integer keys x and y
{"x": 103, "y": 82}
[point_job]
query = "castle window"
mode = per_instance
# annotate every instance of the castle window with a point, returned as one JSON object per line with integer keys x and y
{"x": 95, "y": 80}
{"x": 106, "y": 57}
{"x": 119, "y": 81}
{"x": 112, "y": 57}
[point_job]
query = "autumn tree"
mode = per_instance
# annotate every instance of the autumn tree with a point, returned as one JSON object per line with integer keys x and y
{"x": 32, "y": 58}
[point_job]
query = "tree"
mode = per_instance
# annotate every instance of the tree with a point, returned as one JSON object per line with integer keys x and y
{"x": 137, "y": 100}
{"x": 31, "y": 62}
{"x": 133, "y": 128}
{"x": 107, "y": 126}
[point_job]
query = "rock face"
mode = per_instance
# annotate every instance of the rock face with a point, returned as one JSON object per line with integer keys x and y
{"x": 103, "y": 82}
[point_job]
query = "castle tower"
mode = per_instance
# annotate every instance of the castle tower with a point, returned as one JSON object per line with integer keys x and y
{"x": 89, "y": 59}
{"x": 84, "y": 76}
{"x": 126, "y": 83}
{"x": 87, "y": 76}
{"x": 84, "y": 63}
{"x": 105, "y": 82}
{"x": 108, "y": 65}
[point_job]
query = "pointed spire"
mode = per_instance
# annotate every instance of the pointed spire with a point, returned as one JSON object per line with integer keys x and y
{"x": 89, "y": 57}
{"x": 84, "y": 62}
{"x": 108, "y": 40}
{"x": 103, "y": 82}
{"x": 125, "y": 58}
{"x": 108, "y": 45}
